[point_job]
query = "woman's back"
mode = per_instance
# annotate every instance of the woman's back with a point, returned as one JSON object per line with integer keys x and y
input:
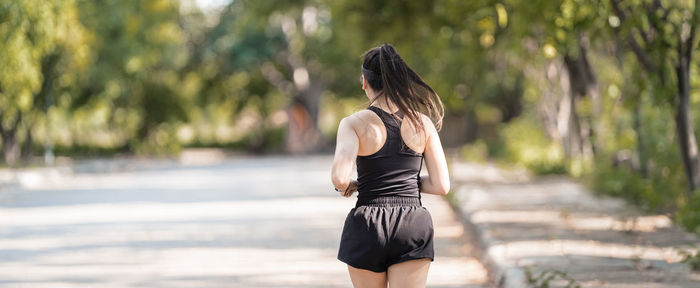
{"x": 372, "y": 134}
{"x": 391, "y": 163}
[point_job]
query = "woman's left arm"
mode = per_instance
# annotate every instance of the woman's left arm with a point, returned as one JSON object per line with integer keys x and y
{"x": 347, "y": 144}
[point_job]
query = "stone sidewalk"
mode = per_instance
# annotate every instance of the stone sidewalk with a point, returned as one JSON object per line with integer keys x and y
{"x": 553, "y": 226}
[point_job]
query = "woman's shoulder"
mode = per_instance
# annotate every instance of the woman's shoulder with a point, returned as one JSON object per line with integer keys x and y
{"x": 362, "y": 117}
{"x": 352, "y": 119}
{"x": 427, "y": 121}
{"x": 359, "y": 121}
{"x": 358, "y": 117}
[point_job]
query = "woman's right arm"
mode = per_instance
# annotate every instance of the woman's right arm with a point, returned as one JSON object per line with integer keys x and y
{"x": 346, "y": 147}
{"x": 438, "y": 179}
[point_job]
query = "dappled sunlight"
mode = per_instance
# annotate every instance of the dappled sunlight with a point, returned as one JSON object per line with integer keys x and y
{"x": 477, "y": 172}
{"x": 456, "y": 271}
{"x": 125, "y": 266}
{"x": 575, "y": 221}
{"x": 563, "y": 247}
{"x": 156, "y": 212}
{"x": 449, "y": 231}
{"x": 181, "y": 179}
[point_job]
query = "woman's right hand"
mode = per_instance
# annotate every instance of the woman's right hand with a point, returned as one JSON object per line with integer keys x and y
{"x": 351, "y": 189}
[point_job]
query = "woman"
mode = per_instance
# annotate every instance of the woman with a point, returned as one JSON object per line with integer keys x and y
{"x": 388, "y": 237}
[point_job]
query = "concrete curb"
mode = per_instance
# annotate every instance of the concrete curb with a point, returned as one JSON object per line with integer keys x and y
{"x": 503, "y": 272}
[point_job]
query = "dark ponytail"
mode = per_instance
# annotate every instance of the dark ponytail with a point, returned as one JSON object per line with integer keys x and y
{"x": 388, "y": 75}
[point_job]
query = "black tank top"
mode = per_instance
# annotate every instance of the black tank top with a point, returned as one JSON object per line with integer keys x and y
{"x": 394, "y": 170}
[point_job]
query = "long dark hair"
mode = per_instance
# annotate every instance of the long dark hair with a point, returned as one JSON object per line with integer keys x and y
{"x": 388, "y": 75}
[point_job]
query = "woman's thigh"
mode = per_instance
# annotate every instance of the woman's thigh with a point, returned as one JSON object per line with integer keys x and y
{"x": 409, "y": 274}
{"x": 362, "y": 278}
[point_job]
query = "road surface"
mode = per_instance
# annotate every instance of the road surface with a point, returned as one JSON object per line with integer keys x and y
{"x": 245, "y": 222}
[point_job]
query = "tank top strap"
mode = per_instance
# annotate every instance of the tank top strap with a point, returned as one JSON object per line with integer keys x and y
{"x": 400, "y": 114}
{"x": 388, "y": 119}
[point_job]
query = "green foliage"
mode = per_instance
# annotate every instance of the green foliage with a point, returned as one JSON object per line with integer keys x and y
{"x": 544, "y": 278}
{"x": 39, "y": 38}
{"x": 477, "y": 151}
{"x": 496, "y": 148}
{"x": 689, "y": 217}
{"x": 161, "y": 141}
{"x": 87, "y": 152}
{"x": 526, "y": 144}
{"x": 623, "y": 181}
{"x": 138, "y": 52}
{"x": 126, "y": 67}
{"x": 32, "y": 30}
{"x": 618, "y": 171}
{"x": 691, "y": 258}
{"x": 268, "y": 139}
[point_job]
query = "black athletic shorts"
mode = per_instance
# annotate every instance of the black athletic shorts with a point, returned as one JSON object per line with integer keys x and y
{"x": 384, "y": 231}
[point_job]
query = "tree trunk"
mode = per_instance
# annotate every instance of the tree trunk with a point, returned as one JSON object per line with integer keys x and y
{"x": 28, "y": 143}
{"x": 641, "y": 148}
{"x": 582, "y": 82}
{"x": 684, "y": 123}
{"x": 10, "y": 145}
{"x": 548, "y": 103}
{"x": 48, "y": 70}
{"x": 471, "y": 128}
{"x": 593, "y": 90}
{"x": 10, "y": 150}
{"x": 567, "y": 118}
{"x": 303, "y": 134}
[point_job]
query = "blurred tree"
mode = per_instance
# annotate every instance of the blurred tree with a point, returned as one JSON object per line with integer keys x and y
{"x": 138, "y": 52}
{"x": 563, "y": 32}
{"x": 279, "y": 49}
{"x": 41, "y": 40}
{"x": 662, "y": 36}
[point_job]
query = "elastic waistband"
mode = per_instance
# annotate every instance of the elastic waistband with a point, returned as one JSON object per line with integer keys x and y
{"x": 388, "y": 201}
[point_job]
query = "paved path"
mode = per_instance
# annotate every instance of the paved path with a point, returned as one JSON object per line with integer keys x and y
{"x": 554, "y": 224}
{"x": 249, "y": 222}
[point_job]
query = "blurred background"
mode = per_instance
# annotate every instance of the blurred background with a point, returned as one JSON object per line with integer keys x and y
{"x": 604, "y": 91}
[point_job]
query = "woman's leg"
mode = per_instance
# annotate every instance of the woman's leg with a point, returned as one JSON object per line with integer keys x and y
{"x": 362, "y": 278}
{"x": 409, "y": 274}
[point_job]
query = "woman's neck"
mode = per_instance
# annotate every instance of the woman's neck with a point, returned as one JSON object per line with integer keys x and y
{"x": 380, "y": 102}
